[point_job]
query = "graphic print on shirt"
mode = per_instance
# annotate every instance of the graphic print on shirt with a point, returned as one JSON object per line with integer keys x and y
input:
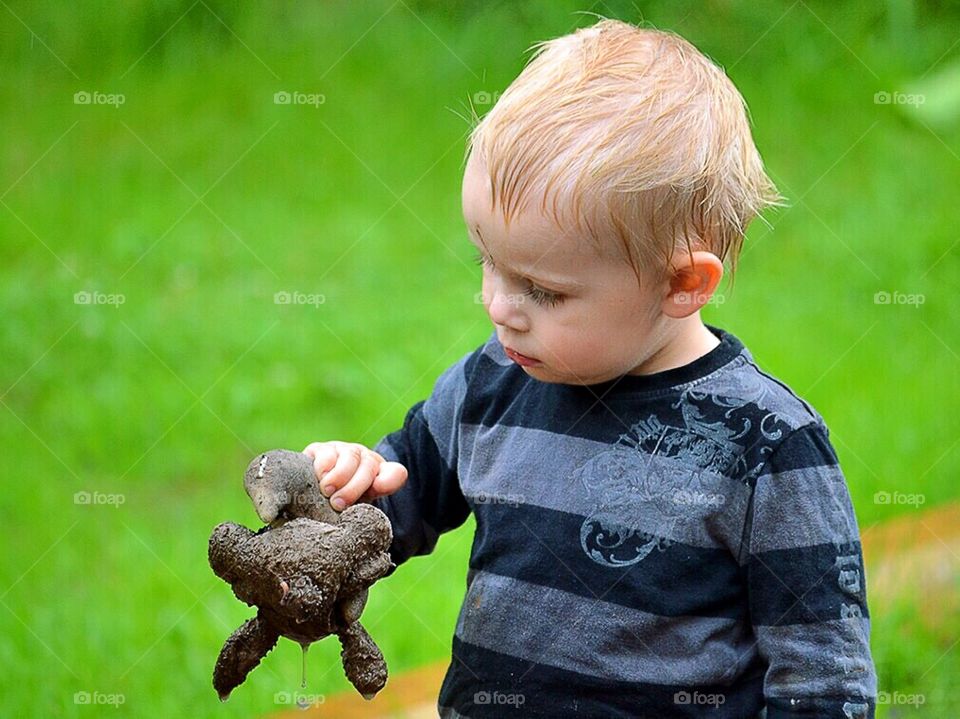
{"x": 629, "y": 482}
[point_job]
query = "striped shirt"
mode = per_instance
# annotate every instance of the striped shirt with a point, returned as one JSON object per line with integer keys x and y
{"x": 680, "y": 544}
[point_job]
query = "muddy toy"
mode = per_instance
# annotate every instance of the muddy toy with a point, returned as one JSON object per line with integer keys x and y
{"x": 307, "y": 572}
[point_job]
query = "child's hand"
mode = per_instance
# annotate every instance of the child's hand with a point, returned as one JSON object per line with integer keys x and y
{"x": 348, "y": 472}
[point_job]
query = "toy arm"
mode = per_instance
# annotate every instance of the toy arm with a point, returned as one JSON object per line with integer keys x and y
{"x": 222, "y": 549}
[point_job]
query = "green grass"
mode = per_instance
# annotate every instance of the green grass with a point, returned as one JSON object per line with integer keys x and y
{"x": 165, "y": 398}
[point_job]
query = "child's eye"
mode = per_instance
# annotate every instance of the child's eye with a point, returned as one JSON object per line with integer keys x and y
{"x": 542, "y": 297}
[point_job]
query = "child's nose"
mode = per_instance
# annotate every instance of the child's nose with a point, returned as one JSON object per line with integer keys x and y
{"x": 505, "y": 310}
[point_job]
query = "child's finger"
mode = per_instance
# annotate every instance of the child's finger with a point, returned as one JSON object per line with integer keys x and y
{"x": 315, "y": 449}
{"x": 391, "y": 477}
{"x": 358, "y": 484}
{"x": 324, "y": 456}
{"x": 325, "y": 459}
{"x": 348, "y": 459}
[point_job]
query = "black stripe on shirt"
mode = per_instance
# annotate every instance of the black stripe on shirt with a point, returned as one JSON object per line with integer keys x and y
{"x": 483, "y": 684}
{"x": 543, "y": 546}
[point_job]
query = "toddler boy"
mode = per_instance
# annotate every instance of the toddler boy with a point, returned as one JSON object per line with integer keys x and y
{"x": 663, "y": 529}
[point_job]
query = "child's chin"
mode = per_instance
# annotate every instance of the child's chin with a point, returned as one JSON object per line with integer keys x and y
{"x": 537, "y": 372}
{"x": 543, "y": 374}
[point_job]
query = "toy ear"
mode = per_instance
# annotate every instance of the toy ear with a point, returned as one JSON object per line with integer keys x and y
{"x": 223, "y": 549}
{"x": 368, "y": 521}
{"x": 359, "y": 515}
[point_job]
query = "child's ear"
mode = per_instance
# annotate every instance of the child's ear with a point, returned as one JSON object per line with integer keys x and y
{"x": 693, "y": 280}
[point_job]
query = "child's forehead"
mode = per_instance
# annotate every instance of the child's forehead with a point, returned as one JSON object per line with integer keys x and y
{"x": 540, "y": 225}
{"x": 531, "y": 232}
{"x": 534, "y": 248}
{"x": 521, "y": 250}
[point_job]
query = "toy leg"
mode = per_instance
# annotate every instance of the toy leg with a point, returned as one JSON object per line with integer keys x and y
{"x": 241, "y": 653}
{"x": 351, "y": 609}
{"x": 363, "y": 662}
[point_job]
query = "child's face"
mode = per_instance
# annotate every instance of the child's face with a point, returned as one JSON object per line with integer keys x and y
{"x": 552, "y": 297}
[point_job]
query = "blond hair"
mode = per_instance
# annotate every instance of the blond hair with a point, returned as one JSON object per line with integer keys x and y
{"x": 628, "y": 131}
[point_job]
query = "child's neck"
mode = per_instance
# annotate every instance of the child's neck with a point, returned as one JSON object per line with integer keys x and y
{"x": 691, "y": 342}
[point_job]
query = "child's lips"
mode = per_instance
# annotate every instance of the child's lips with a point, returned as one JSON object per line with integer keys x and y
{"x": 520, "y": 359}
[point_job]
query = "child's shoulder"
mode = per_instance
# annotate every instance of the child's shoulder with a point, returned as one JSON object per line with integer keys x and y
{"x": 744, "y": 382}
{"x": 751, "y": 414}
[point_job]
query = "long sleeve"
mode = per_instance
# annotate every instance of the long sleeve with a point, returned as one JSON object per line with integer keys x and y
{"x": 430, "y": 502}
{"x": 806, "y": 584}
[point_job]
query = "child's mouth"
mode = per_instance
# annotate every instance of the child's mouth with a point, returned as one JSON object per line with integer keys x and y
{"x": 520, "y": 359}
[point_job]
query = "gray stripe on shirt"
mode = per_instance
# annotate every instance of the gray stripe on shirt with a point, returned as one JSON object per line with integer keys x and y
{"x": 597, "y": 638}
{"x": 579, "y": 476}
{"x": 802, "y": 508}
{"x": 810, "y": 657}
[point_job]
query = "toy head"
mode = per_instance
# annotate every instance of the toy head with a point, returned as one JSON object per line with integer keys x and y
{"x": 283, "y": 485}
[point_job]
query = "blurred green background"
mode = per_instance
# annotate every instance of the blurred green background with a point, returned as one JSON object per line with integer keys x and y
{"x": 199, "y": 198}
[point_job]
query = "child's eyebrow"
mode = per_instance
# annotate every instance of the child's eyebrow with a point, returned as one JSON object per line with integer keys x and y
{"x": 557, "y": 282}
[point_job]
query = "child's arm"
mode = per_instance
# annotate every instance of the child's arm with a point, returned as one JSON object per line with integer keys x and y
{"x": 430, "y": 503}
{"x": 411, "y": 473}
{"x": 806, "y": 585}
